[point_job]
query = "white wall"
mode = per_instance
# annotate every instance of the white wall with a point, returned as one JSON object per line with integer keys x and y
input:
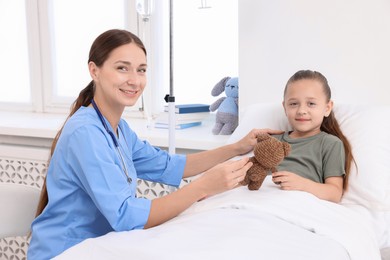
{"x": 348, "y": 41}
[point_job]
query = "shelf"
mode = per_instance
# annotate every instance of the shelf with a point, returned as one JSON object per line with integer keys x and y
{"x": 25, "y": 127}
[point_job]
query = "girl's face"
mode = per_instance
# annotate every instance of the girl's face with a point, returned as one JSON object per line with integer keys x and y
{"x": 306, "y": 105}
{"x": 121, "y": 79}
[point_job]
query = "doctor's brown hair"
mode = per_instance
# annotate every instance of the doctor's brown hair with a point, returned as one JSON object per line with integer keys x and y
{"x": 329, "y": 124}
{"x": 100, "y": 50}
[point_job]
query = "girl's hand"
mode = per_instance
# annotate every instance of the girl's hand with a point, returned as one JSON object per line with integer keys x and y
{"x": 289, "y": 181}
{"x": 224, "y": 176}
{"x": 248, "y": 142}
{"x": 331, "y": 190}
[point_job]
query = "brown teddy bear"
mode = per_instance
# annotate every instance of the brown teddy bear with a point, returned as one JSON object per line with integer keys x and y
{"x": 268, "y": 153}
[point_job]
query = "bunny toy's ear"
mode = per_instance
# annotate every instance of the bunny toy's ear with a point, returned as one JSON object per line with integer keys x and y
{"x": 220, "y": 87}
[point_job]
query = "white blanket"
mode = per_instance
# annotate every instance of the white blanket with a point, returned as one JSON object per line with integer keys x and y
{"x": 242, "y": 224}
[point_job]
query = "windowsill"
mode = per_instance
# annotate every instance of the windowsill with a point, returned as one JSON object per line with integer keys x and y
{"x": 17, "y": 126}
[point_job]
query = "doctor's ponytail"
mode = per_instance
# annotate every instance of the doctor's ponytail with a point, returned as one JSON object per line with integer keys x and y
{"x": 84, "y": 99}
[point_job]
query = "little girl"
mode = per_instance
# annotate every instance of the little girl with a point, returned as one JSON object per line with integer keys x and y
{"x": 321, "y": 157}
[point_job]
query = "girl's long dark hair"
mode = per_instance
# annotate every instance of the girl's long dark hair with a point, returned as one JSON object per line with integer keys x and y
{"x": 329, "y": 124}
{"x": 100, "y": 50}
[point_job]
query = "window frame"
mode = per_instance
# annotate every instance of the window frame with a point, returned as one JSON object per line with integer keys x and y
{"x": 154, "y": 33}
{"x": 50, "y": 102}
{"x": 40, "y": 56}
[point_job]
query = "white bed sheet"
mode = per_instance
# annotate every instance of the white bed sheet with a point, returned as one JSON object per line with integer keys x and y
{"x": 242, "y": 224}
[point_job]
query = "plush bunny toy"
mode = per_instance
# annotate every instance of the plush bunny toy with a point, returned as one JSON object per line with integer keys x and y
{"x": 226, "y": 119}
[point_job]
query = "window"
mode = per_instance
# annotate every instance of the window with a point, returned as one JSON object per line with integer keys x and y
{"x": 205, "y": 49}
{"x": 205, "y": 35}
{"x": 45, "y": 45}
{"x": 50, "y": 41}
{"x": 15, "y": 86}
{"x": 72, "y": 38}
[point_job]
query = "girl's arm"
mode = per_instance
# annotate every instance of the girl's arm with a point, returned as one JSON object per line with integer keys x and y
{"x": 222, "y": 177}
{"x": 331, "y": 190}
{"x": 202, "y": 161}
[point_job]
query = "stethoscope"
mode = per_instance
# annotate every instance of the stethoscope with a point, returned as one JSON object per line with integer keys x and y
{"x": 129, "y": 179}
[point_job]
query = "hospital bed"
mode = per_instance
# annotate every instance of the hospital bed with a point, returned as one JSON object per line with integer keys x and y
{"x": 271, "y": 223}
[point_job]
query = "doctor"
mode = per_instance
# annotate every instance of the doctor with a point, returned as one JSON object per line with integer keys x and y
{"x": 90, "y": 187}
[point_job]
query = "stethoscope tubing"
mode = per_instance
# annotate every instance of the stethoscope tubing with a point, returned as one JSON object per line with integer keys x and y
{"x": 113, "y": 137}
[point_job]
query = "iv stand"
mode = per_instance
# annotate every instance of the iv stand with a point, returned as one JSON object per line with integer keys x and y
{"x": 170, "y": 98}
{"x": 144, "y": 9}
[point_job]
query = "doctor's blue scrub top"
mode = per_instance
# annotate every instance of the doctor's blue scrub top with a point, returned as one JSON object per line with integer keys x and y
{"x": 89, "y": 194}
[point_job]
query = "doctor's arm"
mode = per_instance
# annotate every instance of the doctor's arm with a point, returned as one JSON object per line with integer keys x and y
{"x": 222, "y": 177}
{"x": 202, "y": 161}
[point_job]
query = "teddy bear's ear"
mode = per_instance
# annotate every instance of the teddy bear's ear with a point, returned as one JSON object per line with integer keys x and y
{"x": 220, "y": 87}
{"x": 286, "y": 148}
{"x": 262, "y": 137}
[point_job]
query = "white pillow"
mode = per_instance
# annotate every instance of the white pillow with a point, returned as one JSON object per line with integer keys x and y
{"x": 365, "y": 127}
{"x": 261, "y": 115}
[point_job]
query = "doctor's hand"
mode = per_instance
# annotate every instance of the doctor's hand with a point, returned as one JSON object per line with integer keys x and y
{"x": 224, "y": 176}
{"x": 248, "y": 142}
